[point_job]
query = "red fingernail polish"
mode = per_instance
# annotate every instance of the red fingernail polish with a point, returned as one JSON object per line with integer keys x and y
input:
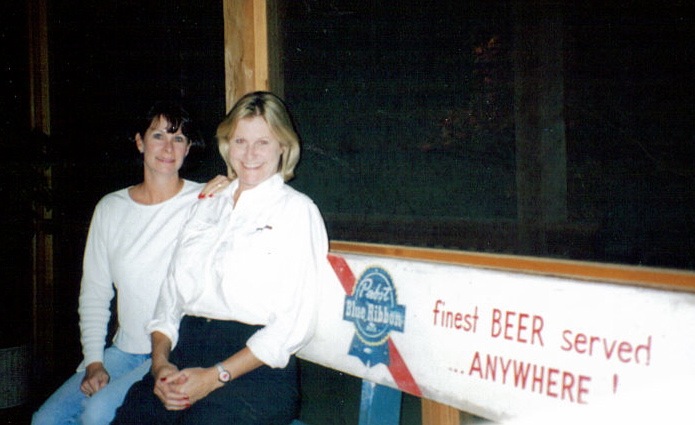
{"x": 201, "y": 196}
{"x": 163, "y": 379}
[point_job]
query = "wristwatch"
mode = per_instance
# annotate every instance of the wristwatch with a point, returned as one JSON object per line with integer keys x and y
{"x": 223, "y": 374}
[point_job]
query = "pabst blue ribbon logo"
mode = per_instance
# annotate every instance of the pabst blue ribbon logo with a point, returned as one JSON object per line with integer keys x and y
{"x": 373, "y": 308}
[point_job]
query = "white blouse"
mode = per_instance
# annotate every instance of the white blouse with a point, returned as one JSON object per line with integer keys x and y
{"x": 258, "y": 263}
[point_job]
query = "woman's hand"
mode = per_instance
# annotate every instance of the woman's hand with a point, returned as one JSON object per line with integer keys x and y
{"x": 198, "y": 383}
{"x": 214, "y": 186}
{"x": 96, "y": 377}
{"x": 167, "y": 380}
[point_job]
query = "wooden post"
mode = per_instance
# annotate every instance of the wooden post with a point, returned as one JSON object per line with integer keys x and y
{"x": 248, "y": 51}
{"x": 434, "y": 413}
{"x": 40, "y": 121}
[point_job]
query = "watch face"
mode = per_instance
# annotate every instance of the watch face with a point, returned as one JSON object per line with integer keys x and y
{"x": 223, "y": 374}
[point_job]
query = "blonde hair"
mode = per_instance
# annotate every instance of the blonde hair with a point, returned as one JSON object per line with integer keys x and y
{"x": 273, "y": 110}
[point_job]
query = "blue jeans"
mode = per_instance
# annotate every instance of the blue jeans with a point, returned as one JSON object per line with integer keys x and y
{"x": 68, "y": 405}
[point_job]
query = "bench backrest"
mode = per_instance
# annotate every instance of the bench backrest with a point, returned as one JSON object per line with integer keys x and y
{"x": 504, "y": 344}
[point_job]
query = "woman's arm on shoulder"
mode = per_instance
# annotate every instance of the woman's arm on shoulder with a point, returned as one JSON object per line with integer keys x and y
{"x": 217, "y": 184}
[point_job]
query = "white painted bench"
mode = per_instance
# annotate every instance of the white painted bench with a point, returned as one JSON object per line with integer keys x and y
{"x": 503, "y": 338}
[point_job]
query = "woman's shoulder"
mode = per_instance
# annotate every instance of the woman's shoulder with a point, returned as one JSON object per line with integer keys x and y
{"x": 111, "y": 205}
{"x": 300, "y": 210}
{"x": 115, "y": 197}
{"x": 294, "y": 196}
{"x": 191, "y": 189}
{"x": 298, "y": 204}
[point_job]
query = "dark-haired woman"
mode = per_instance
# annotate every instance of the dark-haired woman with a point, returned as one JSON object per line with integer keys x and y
{"x": 130, "y": 242}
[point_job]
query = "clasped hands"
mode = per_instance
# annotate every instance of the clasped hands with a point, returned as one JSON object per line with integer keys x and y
{"x": 180, "y": 389}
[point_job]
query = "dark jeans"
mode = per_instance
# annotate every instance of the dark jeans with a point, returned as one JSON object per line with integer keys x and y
{"x": 264, "y": 396}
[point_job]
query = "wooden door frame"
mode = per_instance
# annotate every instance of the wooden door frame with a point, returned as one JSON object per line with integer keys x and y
{"x": 42, "y": 247}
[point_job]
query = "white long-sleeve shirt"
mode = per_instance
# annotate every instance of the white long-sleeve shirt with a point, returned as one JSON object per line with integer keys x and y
{"x": 129, "y": 246}
{"x": 258, "y": 263}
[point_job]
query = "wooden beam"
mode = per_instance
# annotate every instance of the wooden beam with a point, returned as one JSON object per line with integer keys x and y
{"x": 434, "y": 413}
{"x": 40, "y": 121}
{"x": 260, "y": 45}
{"x": 37, "y": 28}
{"x": 665, "y": 279}
{"x": 247, "y": 26}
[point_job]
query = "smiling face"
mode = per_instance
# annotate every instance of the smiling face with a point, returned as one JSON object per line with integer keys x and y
{"x": 163, "y": 151}
{"x": 254, "y": 152}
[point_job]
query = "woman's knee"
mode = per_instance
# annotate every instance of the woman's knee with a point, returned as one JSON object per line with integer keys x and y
{"x": 57, "y": 410}
{"x": 99, "y": 410}
{"x": 42, "y": 417}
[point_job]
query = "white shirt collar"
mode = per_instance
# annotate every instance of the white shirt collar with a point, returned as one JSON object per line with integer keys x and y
{"x": 261, "y": 192}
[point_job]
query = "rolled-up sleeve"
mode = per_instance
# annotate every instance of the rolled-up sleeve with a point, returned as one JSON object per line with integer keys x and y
{"x": 168, "y": 313}
{"x": 292, "y": 323}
